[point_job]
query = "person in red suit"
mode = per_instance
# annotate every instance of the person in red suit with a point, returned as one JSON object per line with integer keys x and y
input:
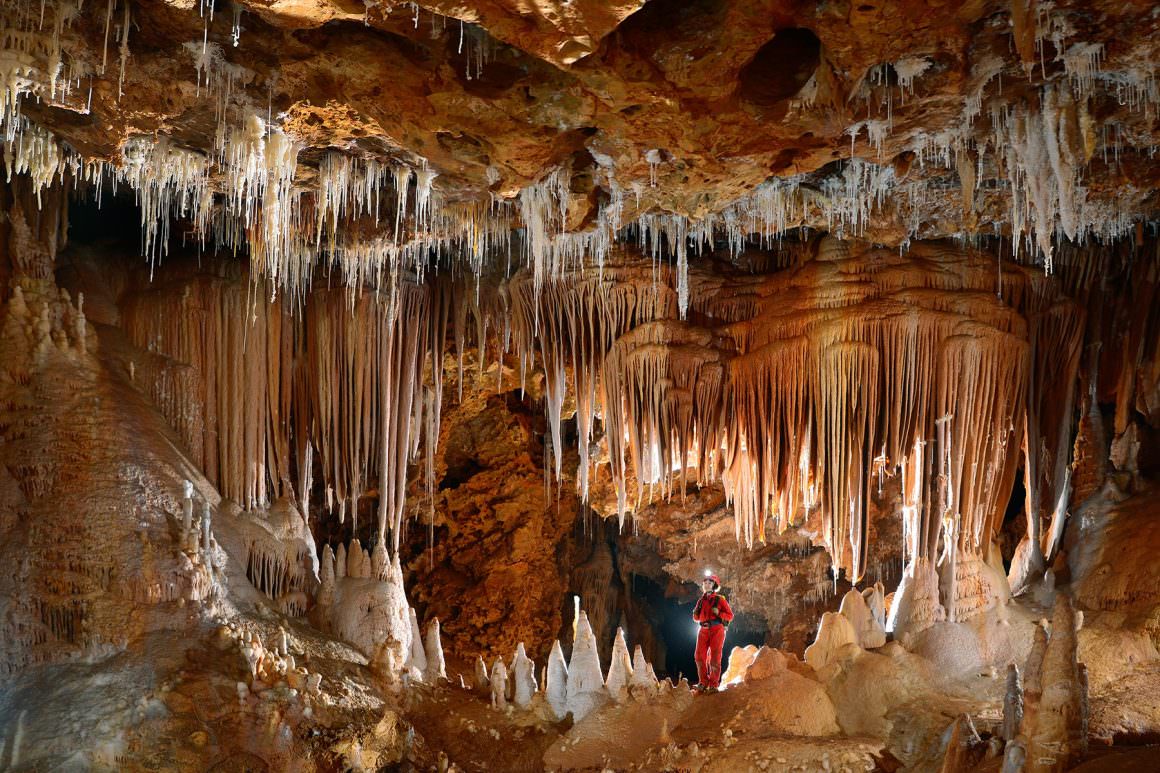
{"x": 714, "y": 615}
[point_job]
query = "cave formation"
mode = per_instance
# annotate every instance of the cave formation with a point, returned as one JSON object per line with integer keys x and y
{"x": 378, "y": 382}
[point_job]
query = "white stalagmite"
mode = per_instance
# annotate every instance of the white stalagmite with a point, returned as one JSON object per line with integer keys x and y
{"x": 556, "y": 683}
{"x": 482, "y": 680}
{"x": 870, "y": 632}
{"x": 498, "y": 683}
{"x": 876, "y": 600}
{"x": 836, "y": 636}
{"x": 642, "y": 672}
{"x": 523, "y": 671}
{"x": 436, "y": 666}
{"x": 417, "y": 660}
{"x": 340, "y": 562}
{"x": 206, "y": 546}
{"x": 187, "y": 508}
{"x": 916, "y": 604}
{"x": 620, "y": 670}
{"x": 585, "y": 680}
{"x": 375, "y": 617}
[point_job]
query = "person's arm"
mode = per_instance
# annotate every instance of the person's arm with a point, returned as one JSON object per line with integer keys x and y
{"x": 724, "y": 611}
{"x": 698, "y": 615}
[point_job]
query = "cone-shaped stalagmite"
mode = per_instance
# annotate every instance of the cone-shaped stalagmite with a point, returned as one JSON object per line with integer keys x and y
{"x": 557, "y": 681}
{"x": 620, "y": 671}
{"x": 585, "y": 680}
{"x": 523, "y": 672}
{"x": 497, "y": 681}
{"x": 433, "y": 648}
{"x": 417, "y": 658}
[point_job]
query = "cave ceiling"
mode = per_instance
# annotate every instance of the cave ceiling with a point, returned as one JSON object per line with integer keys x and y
{"x": 585, "y": 122}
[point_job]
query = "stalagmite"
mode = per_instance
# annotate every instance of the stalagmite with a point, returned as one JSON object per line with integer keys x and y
{"x": 433, "y": 648}
{"x": 620, "y": 670}
{"x": 1012, "y": 704}
{"x": 836, "y": 636}
{"x": 206, "y": 546}
{"x": 523, "y": 672}
{"x": 187, "y": 509}
{"x": 1014, "y": 758}
{"x": 379, "y": 562}
{"x": 374, "y": 616}
{"x": 875, "y": 597}
{"x": 1054, "y": 741}
{"x": 417, "y": 659}
{"x": 643, "y": 677}
{"x": 585, "y": 680}
{"x": 283, "y": 642}
{"x": 868, "y": 630}
{"x": 916, "y": 604}
{"x": 326, "y": 578}
{"x": 482, "y": 680}
{"x": 556, "y": 683}
{"x": 354, "y": 560}
{"x": 497, "y": 682}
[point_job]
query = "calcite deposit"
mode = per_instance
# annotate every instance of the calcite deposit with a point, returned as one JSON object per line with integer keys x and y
{"x": 379, "y": 381}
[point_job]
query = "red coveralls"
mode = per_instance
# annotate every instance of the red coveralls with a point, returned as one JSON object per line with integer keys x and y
{"x": 712, "y": 611}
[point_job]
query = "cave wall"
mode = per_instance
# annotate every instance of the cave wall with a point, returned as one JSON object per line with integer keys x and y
{"x": 490, "y": 555}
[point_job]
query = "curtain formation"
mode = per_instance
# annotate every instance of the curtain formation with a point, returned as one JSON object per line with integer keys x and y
{"x": 796, "y": 390}
{"x": 266, "y": 400}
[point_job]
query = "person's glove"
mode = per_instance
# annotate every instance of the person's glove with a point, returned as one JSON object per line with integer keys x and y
{"x": 714, "y": 609}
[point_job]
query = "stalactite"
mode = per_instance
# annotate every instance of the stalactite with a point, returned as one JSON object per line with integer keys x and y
{"x": 790, "y": 389}
{"x": 1056, "y": 336}
{"x": 240, "y": 352}
{"x": 335, "y": 391}
{"x": 571, "y": 323}
{"x": 791, "y": 405}
{"x": 663, "y": 386}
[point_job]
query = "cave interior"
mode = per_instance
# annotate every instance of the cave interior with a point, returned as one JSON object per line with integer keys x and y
{"x": 380, "y": 381}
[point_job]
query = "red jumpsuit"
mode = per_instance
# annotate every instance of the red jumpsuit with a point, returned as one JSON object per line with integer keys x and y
{"x": 712, "y": 612}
